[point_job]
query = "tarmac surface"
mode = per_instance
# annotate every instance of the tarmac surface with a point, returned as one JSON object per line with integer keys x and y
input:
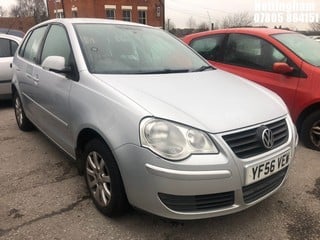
{"x": 43, "y": 197}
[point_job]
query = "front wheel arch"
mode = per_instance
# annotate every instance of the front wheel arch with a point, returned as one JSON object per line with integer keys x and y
{"x": 84, "y": 137}
{"x": 13, "y": 90}
{"x": 116, "y": 203}
{"x": 305, "y": 113}
{"x": 310, "y": 130}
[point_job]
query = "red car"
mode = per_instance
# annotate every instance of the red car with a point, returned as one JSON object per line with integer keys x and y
{"x": 286, "y": 62}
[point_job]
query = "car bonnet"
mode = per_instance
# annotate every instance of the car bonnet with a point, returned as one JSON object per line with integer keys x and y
{"x": 214, "y": 101}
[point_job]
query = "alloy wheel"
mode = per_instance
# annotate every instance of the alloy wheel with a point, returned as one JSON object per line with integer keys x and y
{"x": 18, "y": 111}
{"x": 98, "y": 178}
{"x": 315, "y": 134}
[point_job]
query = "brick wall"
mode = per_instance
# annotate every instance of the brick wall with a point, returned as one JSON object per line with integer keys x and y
{"x": 22, "y": 24}
{"x": 96, "y": 9}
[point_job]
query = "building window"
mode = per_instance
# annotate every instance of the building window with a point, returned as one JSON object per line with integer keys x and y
{"x": 158, "y": 11}
{"x": 74, "y": 11}
{"x": 142, "y": 16}
{"x": 110, "y": 11}
{"x": 126, "y": 15}
{"x": 59, "y": 13}
{"x": 74, "y": 14}
{"x": 111, "y": 14}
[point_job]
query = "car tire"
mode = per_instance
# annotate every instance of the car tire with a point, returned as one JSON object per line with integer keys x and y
{"x": 23, "y": 122}
{"x": 310, "y": 131}
{"x": 104, "y": 180}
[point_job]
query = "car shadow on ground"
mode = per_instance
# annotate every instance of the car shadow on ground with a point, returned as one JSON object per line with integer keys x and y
{"x": 5, "y": 104}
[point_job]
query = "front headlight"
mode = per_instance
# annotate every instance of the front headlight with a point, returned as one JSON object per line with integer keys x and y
{"x": 174, "y": 141}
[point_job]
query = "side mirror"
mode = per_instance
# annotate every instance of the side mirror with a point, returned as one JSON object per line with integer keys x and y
{"x": 282, "y": 67}
{"x": 56, "y": 64}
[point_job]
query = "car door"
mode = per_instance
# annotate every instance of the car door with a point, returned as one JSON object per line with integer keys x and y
{"x": 25, "y": 63}
{"x": 252, "y": 57}
{"x": 53, "y": 88}
{"x": 7, "y": 50}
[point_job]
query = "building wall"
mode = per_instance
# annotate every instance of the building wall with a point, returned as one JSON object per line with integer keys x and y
{"x": 22, "y": 24}
{"x": 96, "y": 9}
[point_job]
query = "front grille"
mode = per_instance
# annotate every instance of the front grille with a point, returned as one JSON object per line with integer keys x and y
{"x": 257, "y": 190}
{"x": 247, "y": 143}
{"x": 198, "y": 202}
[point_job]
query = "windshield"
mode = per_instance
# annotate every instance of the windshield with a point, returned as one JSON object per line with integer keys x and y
{"x": 125, "y": 49}
{"x": 303, "y": 46}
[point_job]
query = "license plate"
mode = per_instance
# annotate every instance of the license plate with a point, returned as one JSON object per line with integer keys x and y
{"x": 262, "y": 170}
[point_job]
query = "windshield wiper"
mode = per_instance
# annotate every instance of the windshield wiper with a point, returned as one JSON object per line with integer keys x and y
{"x": 203, "y": 68}
{"x": 165, "y": 71}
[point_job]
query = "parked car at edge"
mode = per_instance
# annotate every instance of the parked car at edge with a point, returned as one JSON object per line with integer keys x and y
{"x": 286, "y": 62}
{"x": 316, "y": 38}
{"x": 13, "y": 32}
{"x": 149, "y": 122}
{"x": 8, "y": 46}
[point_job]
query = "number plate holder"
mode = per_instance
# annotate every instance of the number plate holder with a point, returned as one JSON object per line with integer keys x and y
{"x": 261, "y": 170}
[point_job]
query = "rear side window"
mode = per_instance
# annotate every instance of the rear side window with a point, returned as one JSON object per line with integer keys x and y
{"x": 4, "y": 48}
{"x": 56, "y": 44}
{"x": 13, "y": 47}
{"x": 32, "y": 46}
{"x": 7, "y": 47}
{"x": 209, "y": 47}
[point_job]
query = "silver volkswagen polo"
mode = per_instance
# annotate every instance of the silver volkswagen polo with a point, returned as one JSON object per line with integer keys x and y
{"x": 148, "y": 121}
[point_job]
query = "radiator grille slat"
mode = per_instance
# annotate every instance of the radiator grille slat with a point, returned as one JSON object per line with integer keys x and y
{"x": 247, "y": 143}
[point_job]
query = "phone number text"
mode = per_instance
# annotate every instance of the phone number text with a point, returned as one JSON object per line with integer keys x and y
{"x": 289, "y": 17}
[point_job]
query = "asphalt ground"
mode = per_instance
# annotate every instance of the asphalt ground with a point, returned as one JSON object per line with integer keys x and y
{"x": 43, "y": 197}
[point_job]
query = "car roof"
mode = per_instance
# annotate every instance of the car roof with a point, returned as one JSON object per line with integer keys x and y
{"x": 252, "y": 31}
{"x": 266, "y": 31}
{"x": 11, "y": 37}
{"x": 10, "y": 31}
{"x": 66, "y": 21}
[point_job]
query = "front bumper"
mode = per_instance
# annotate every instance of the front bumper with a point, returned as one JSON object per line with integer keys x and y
{"x": 201, "y": 186}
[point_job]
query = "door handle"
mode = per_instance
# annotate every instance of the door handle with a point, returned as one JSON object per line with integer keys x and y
{"x": 34, "y": 79}
{"x": 29, "y": 76}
